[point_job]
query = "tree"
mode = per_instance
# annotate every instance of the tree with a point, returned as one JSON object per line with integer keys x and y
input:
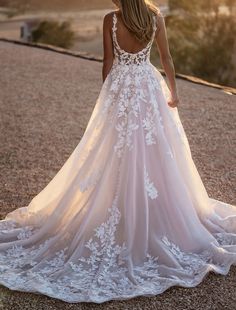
{"x": 203, "y": 40}
{"x": 213, "y": 60}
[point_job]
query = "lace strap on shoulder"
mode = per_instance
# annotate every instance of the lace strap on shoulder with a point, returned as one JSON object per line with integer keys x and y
{"x": 114, "y": 28}
{"x": 154, "y": 24}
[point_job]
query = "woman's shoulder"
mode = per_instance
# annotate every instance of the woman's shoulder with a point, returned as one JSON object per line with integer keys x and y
{"x": 109, "y": 16}
{"x": 157, "y": 14}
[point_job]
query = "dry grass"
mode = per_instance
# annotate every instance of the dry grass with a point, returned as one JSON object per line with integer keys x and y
{"x": 46, "y": 100}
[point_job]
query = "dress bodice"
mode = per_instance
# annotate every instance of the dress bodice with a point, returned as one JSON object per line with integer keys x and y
{"x": 126, "y": 58}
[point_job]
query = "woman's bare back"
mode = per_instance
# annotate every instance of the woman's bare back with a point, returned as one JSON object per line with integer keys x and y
{"x": 126, "y": 39}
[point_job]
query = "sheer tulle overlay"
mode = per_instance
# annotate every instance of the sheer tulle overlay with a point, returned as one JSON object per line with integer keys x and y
{"x": 127, "y": 214}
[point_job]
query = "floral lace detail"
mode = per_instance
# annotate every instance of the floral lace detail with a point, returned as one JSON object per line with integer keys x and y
{"x": 125, "y": 129}
{"x": 26, "y": 232}
{"x": 18, "y": 256}
{"x": 128, "y": 116}
{"x": 127, "y": 58}
{"x": 105, "y": 262}
{"x": 191, "y": 262}
{"x": 103, "y": 274}
{"x": 104, "y": 247}
{"x": 150, "y": 127}
{"x": 98, "y": 276}
{"x": 225, "y": 238}
{"x": 55, "y": 264}
{"x": 15, "y": 251}
{"x": 197, "y": 264}
{"x": 149, "y": 186}
{"x": 126, "y": 96}
{"x": 7, "y": 225}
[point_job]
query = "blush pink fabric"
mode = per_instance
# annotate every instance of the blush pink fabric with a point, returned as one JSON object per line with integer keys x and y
{"x": 127, "y": 214}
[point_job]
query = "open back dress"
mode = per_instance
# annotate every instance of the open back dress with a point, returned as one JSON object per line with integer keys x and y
{"x": 127, "y": 214}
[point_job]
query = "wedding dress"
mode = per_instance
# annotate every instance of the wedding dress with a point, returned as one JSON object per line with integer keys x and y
{"x": 127, "y": 214}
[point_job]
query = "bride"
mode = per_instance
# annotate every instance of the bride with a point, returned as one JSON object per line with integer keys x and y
{"x": 127, "y": 214}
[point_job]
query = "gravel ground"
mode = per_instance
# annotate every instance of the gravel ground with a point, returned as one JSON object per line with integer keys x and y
{"x": 46, "y": 100}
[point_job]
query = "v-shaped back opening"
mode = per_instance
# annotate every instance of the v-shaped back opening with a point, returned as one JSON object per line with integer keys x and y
{"x": 114, "y": 30}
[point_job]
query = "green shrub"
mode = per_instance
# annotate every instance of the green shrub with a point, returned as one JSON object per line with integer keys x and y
{"x": 54, "y": 33}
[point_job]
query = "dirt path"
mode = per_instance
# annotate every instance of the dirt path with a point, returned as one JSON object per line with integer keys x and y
{"x": 46, "y": 100}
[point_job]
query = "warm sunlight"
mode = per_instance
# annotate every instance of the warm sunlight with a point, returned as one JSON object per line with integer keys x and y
{"x": 117, "y": 154}
{"x": 195, "y": 29}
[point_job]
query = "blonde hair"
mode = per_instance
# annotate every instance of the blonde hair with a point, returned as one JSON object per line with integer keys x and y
{"x": 137, "y": 16}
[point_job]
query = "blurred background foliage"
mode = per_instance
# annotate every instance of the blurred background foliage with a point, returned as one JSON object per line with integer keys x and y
{"x": 54, "y": 33}
{"x": 202, "y": 33}
{"x": 202, "y": 39}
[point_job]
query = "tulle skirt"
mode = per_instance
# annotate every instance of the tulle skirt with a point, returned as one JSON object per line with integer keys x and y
{"x": 127, "y": 214}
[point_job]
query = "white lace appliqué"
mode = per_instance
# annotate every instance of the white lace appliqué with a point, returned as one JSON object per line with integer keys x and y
{"x": 150, "y": 127}
{"x": 136, "y": 108}
{"x": 104, "y": 262}
{"x": 103, "y": 273}
{"x": 127, "y": 58}
{"x": 149, "y": 186}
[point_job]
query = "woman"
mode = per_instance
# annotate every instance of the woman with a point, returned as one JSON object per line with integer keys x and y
{"x": 127, "y": 214}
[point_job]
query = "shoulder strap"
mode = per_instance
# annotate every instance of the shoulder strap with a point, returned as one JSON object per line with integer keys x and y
{"x": 114, "y": 28}
{"x": 154, "y": 24}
